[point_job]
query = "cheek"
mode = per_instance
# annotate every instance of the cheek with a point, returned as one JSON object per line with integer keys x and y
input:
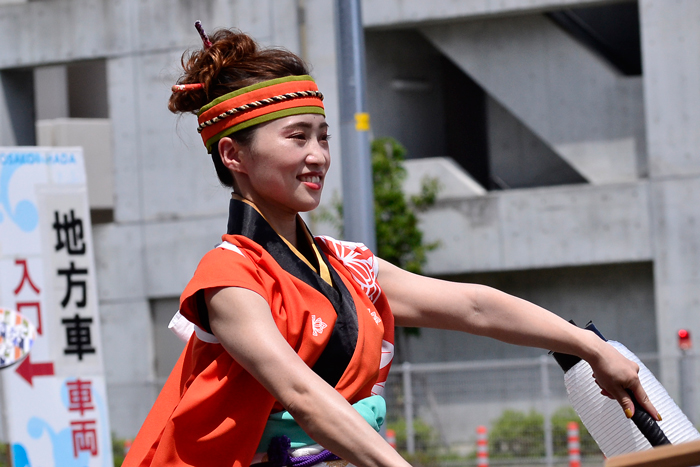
{"x": 273, "y": 177}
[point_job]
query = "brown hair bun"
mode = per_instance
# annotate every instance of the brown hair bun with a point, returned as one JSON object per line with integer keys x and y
{"x": 233, "y": 61}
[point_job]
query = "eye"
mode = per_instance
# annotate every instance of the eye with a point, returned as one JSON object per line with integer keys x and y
{"x": 299, "y": 136}
{"x": 325, "y": 137}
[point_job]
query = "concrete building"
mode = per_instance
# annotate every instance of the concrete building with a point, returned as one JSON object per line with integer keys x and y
{"x": 566, "y": 134}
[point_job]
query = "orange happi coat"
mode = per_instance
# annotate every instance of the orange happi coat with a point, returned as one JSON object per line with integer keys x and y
{"x": 211, "y": 411}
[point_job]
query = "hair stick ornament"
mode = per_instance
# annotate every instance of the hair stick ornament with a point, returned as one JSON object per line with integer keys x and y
{"x": 186, "y": 87}
{"x": 202, "y": 34}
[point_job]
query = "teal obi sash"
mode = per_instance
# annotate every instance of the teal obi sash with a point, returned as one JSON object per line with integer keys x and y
{"x": 372, "y": 409}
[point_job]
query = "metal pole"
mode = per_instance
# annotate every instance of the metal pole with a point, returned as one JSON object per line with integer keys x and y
{"x": 358, "y": 194}
{"x": 548, "y": 443}
{"x": 408, "y": 408}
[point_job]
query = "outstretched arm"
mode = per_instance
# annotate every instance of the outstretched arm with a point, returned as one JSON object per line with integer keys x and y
{"x": 425, "y": 302}
{"x": 242, "y": 321}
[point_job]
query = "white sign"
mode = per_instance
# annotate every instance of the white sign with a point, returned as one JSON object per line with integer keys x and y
{"x": 54, "y": 401}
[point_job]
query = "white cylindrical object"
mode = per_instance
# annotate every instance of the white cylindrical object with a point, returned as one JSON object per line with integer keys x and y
{"x": 604, "y": 418}
{"x": 675, "y": 425}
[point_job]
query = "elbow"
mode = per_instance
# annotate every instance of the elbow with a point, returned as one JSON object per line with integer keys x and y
{"x": 310, "y": 419}
{"x": 303, "y": 406}
{"x": 478, "y": 319}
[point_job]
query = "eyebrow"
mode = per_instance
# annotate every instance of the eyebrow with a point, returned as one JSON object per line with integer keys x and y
{"x": 323, "y": 125}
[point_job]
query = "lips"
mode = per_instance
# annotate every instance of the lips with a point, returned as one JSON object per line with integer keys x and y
{"x": 311, "y": 180}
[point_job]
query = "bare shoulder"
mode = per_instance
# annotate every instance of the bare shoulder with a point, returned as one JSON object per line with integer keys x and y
{"x": 233, "y": 309}
{"x": 222, "y": 299}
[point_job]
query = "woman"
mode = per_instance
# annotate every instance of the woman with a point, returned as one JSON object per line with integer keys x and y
{"x": 294, "y": 335}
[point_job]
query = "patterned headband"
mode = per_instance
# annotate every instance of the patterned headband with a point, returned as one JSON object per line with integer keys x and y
{"x": 261, "y": 102}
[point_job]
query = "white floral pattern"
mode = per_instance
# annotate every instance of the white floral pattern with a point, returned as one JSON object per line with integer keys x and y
{"x": 364, "y": 267}
{"x": 361, "y": 263}
{"x": 317, "y": 325}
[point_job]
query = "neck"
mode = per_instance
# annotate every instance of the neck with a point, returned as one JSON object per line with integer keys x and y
{"x": 287, "y": 227}
{"x": 284, "y": 223}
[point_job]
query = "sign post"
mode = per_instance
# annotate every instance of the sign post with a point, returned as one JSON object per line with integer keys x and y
{"x": 54, "y": 400}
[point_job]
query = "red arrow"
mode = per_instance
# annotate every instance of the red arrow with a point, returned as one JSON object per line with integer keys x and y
{"x": 28, "y": 370}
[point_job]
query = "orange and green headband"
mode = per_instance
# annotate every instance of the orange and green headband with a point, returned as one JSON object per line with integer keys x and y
{"x": 259, "y": 103}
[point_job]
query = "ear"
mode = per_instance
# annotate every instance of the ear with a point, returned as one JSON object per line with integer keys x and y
{"x": 233, "y": 155}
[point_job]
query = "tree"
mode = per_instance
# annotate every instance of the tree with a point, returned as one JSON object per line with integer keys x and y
{"x": 399, "y": 239}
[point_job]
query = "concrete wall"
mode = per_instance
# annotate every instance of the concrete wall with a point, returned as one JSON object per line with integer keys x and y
{"x": 17, "y": 116}
{"x": 402, "y": 13}
{"x": 670, "y": 36}
{"x": 404, "y": 91}
{"x": 543, "y": 227}
{"x": 518, "y": 158}
{"x": 585, "y": 111}
{"x": 95, "y": 137}
{"x": 407, "y": 93}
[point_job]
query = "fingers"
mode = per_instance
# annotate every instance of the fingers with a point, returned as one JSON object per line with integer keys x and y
{"x": 603, "y": 391}
{"x": 626, "y": 403}
{"x": 618, "y": 378}
{"x": 643, "y": 400}
{"x": 619, "y": 394}
{"x": 624, "y": 398}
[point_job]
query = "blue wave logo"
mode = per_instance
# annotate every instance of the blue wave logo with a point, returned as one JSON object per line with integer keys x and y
{"x": 24, "y": 214}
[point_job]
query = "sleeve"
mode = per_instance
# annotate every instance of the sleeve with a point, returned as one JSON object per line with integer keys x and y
{"x": 359, "y": 260}
{"x": 224, "y": 266}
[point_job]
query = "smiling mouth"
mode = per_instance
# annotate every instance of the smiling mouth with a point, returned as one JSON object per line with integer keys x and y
{"x": 310, "y": 178}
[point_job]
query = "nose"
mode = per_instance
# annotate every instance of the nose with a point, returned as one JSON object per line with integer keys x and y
{"x": 317, "y": 154}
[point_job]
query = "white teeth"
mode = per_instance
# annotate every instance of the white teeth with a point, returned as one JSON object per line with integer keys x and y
{"x": 312, "y": 179}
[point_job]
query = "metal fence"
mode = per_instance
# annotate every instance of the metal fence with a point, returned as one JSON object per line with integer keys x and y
{"x": 435, "y": 408}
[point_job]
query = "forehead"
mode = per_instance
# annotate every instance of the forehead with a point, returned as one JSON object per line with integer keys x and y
{"x": 304, "y": 121}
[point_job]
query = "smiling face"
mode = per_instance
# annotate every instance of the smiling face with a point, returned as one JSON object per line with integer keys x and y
{"x": 283, "y": 170}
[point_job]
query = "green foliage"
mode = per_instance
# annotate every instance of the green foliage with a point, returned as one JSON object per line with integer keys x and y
{"x": 426, "y": 442}
{"x": 560, "y": 420}
{"x": 517, "y": 434}
{"x": 118, "y": 450}
{"x": 399, "y": 239}
{"x": 4, "y": 455}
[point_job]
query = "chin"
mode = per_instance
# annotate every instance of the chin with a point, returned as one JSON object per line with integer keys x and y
{"x": 310, "y": 205}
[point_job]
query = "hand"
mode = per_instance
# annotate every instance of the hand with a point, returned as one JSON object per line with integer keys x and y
{"x": 617, "y": 378}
